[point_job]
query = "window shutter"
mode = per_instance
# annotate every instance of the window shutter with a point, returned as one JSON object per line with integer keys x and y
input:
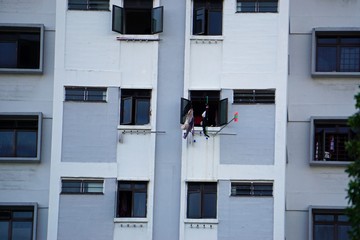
{"x": 117, "y": 19}
{"x": 199, "y": 24}
{"x": 157, "y": 20}
{"x": 184, "y": 108}
{"x": 127, "y": 110}
{"x": 223, "y": 111}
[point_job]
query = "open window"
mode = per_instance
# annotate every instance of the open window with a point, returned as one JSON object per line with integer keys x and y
{"x": 218, "y": 109}
{"x": 135, "y": 107}
{"x": 137, "y": 17}
{"x": 207, "y": 17}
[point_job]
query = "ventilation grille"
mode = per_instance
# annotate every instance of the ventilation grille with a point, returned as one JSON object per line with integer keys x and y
{"x": 244, "y": 189}
{"x": 254, "y": 96}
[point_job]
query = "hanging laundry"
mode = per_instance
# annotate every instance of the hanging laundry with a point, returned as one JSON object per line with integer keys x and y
{"x": 189, "y": 123}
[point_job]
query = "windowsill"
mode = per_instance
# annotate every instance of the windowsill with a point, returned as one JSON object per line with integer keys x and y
{"x": 20, "y": 71}
{"x": 138, "y": 37}
{"x": 335, "y": 74}
{"x": 207, "y": 37}
{"x": 330, "y": 163}
{"x": 130, "y": 220}
{"x": 134, "y": 127}
{"x": 201, "y": 221}
{"x": 19, "y": 160}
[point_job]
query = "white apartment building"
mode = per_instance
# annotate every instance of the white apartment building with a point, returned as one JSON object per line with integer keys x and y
{"x": 323, "y": 79}
{"x": 91, "y": 144}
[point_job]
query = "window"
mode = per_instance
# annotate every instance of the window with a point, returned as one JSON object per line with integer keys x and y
{"x": 20, "y": 137}
{"x": 132, "y": 198}
{"x": 255, "y": 189}
{"x": 137, "y": 17}
{"x": 201, "y": 200}
{"x": 329, "y": 138}
{"x": 218, "y": 109}
{"x": 254, "y": 96}
{"x": 82, "y": 186}
{"x": 257, "y": 6}
{"x": 88, "y": 5}
{"x": 85, "y": 94}
{"x": 135, "y": 107}
{"x": 21, "y": 48}
{"x": 207, "y": 17}
{"x": 336, "y": 52}
{"x": 17, "y": 222}
{"x": 329, "y": 224}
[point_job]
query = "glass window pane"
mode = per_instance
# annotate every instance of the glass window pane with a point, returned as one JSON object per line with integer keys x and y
{"x": 22, "y": 214}
{"x": 21, "y": 230}
{"x": 209, "y": 205}
{"x": 267, "y": 6}
{"x": 71, "y": 186}
{"x": 96, "y": 94}
{"x": 127, "y": 111}
{"x": 327, "y": 40}
{"x": 124, "y": 186}
{"x": 4, "y": 230}
{"x": 215, "y": 22}
{"x": 343, "y": 232}
{"x": 157, "y": 20}
{"x": 324, "y": 232}
{"x": 350, "y": 40}
{"x": 26, "y": 144}
{"x": 7, "y": 146}
{"x": 194, "y": 205}
{"x": 324, "y": 218}
{"x": 125, "y": 204}
{"x": 326, "y": 59}
{"x": 75, "y": 94}
{"x": 140, "y": 186}
{"x": 199, "y": 21}
{"x": 139, "y": 205}
{"x": 350, "y": 59}
{"x": 8, "y": 54}
{"x": 246, "y": 6}
{"x": 117, "y": 19}
{"x": 142, "y": 111}
{"x": 93, "y": 187}
{"x": 343, "y": 218}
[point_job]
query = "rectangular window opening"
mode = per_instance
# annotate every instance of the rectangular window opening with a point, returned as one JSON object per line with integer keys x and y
{"x": 202, "y": 200}
{"x": 82, "y": 186}
{"x": 88, "y": 5}
{"x": 85, "y": 94}
{"x": 217, "y": 111}
{"x": 254, "y": 96}
{"x": 252, "y": 189}
{"x": 207, "y": 18}
{"x": 137, "y": 17}
{"x": 132, "y": 199}
{"x": 257, "y": 6}
{"x": 20, "y": 137}
{"x": 135, "y": 106}
{"x": 21, "y": 48}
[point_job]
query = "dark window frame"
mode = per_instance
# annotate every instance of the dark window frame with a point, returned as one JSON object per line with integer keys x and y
{"x": 329, "y": 39}
{"x": 257, "y": 6}
{"x": 18, "y": 123}
{"x": 85, "y": 94}
{"x": 137, "y": 18}
{"x": 202, "y": 188}
{"x": 89, "y": 5}
{"x": 80, "y": 186}
{"x": 252, "y": 189}
{"x": 321, "y": 217}
{"x": 27, "y": 54}
{"x": 254, "y": 96}
{"x": 129, "y": 115}
{"x": 218, "y": 108}
{"x": 204, "y": 17}
{"x": 124, "y": 192}
{"x": 328, "y": 138}
{"x": 9, "y": 212}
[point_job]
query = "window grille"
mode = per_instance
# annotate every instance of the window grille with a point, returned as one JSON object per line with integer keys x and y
{"x": 254, "y": 96}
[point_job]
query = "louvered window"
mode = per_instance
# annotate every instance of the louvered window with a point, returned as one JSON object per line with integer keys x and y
{"x": 254, "y": 96}
{"x": 256, "y": 189}
{"x": 88, "y": 5}
{"x": 85, "y": 94}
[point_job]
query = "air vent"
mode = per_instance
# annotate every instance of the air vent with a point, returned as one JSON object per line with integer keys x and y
{"x": 254, "y": 96}
{"x": 256, "y": 189}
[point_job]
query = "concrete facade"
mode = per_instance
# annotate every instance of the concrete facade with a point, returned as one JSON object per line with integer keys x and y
{"x": 86, "y": 141}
